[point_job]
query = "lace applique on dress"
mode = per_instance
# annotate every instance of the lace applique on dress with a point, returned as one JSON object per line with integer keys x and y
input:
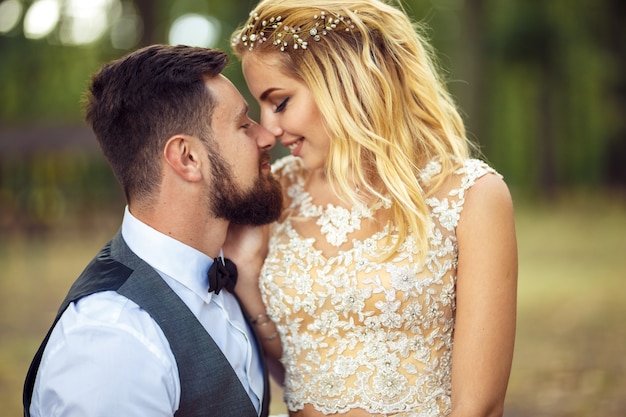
{"x": 357, "y": 332}
{"x": 337, "y": 222}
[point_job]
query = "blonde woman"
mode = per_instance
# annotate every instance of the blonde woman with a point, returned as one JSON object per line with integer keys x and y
{"x": 388, "y": 285}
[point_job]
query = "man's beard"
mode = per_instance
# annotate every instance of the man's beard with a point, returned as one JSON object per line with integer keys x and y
{"x": 261, "y": 204}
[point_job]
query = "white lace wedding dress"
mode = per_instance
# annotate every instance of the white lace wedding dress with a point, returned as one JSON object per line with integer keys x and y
{"x": 358, "y": 332}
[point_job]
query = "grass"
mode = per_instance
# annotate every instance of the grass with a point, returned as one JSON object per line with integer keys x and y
{"x": 569, "y": 361}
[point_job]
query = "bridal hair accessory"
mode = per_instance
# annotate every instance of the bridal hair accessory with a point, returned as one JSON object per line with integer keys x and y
{"x": 321, "y": 24}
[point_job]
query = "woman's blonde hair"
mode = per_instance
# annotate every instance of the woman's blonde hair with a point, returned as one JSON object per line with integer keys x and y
{"x": 373, "y": 77}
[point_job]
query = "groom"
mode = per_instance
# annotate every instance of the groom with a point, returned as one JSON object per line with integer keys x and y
{"x": 151, "y": 327}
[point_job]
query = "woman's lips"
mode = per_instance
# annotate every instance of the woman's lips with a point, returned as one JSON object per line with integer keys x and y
{"x": 296, "y": 146}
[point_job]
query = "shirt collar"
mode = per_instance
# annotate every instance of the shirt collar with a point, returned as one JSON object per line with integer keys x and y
{"x": 167, "y": 255}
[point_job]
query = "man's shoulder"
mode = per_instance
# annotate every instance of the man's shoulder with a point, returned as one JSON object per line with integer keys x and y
{"x": 108, "y": 312}
{"x": 105, "y": 343}
{"x": 115, "y": 324}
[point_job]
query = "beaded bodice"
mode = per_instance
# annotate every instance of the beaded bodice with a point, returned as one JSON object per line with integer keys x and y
{"x": 358, "y": 332}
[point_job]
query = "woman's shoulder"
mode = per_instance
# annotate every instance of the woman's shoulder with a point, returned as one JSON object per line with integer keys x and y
{"x": 459, "y": 177}
{"x": 469, "y": 168}
{"x": 481, "y": 178}
{"x": 448, "y": 189}
{"x": 475, "y": 168}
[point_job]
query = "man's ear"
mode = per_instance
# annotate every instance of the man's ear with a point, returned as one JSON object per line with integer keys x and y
{"x": 181, "y": 154}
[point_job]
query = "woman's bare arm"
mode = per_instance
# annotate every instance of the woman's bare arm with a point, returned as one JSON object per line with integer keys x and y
{"x": 486, "y": 300}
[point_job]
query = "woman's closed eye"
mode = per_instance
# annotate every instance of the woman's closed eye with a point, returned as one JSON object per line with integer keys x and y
{"x": 281, "y": 106}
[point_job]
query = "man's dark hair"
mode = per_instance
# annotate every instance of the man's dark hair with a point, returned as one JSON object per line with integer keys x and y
{"x": 136, "y": 103}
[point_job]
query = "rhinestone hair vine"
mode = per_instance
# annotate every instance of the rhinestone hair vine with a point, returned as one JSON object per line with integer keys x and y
{"x": 322, "y": 24}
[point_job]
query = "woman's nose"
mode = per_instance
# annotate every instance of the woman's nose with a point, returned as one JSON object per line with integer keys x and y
{"x": 270, "y": 122}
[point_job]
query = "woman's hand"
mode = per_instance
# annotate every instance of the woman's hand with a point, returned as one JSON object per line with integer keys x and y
{"x": 247, "y": 247}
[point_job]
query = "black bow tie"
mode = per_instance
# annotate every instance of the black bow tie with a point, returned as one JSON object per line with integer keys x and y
{"x": 222, "y": 275}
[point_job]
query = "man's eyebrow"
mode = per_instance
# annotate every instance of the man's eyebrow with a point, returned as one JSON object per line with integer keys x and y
{"x": 243, "y": 111}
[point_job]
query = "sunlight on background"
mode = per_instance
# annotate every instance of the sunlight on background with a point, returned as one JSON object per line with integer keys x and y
{"x": 195, "y": 30}
{"x": 41, "y": 18}
{"x": 81, "y": 22}
{"x": 10, "y": 13}
{"x": 78, "y": 22}
{"x": 127, "y": 26}
{"x": 85, "y": 22}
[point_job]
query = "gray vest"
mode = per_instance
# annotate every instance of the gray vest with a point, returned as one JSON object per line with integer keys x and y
{"x": 209, "y": 385}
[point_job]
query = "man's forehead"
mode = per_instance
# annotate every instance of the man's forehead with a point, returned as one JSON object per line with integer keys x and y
{"x": 227, "y": 97}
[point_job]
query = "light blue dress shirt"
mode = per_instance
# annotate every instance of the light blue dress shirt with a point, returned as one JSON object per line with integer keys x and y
{"x": 108, "y": 357}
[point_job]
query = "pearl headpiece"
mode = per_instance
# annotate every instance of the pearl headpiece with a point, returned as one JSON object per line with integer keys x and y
{"x": 321, "y": 25}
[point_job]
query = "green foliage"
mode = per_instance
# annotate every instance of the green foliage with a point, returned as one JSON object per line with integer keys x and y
{"x": 540, "y": 83}
{"x": 551, "y": 114}
{"x": 43, "y": 83}
{"x": 43, "y": 190}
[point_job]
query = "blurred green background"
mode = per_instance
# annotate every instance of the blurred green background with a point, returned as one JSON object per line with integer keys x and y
{"x": 542, "y": 89}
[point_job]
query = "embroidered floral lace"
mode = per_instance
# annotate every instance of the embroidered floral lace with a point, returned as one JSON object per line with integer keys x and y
{"x": 357, "y": 332}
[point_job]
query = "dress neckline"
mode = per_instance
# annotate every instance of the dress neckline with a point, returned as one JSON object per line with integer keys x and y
{"x": 336, "y": 222}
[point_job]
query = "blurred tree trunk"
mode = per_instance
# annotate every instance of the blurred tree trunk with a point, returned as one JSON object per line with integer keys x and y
{"x": 530, "y": 42}
{"x": 546, "y": 61}
{"x": 149, "y": 12}
{"x": 474, "y": 59}
{"x": 546, "y": 149}
{"x": 614, "y": 37}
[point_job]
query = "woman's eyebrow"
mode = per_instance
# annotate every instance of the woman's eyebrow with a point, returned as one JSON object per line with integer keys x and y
{"x": 267, "y": 93}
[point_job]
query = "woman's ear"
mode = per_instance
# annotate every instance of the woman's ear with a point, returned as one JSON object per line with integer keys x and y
{"x": 181, "y": 155}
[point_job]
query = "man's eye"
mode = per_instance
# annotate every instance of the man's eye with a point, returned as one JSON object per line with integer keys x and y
{"x": 246, "y": 125}
{"x": 282, "y": 105}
